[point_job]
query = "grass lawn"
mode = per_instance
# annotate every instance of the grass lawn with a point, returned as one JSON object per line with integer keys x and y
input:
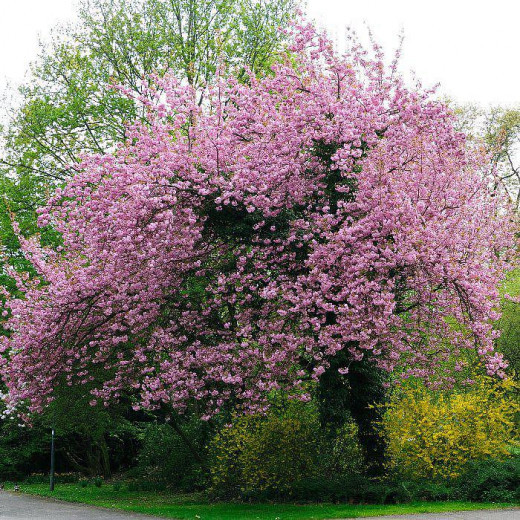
{"x": 197, "y": 507}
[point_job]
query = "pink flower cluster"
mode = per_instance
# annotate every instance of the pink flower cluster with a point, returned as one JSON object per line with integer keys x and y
{"x": 231, "y": 248}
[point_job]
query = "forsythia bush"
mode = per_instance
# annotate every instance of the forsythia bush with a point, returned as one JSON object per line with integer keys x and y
{"x": 268, "y": 454}
{"x": 435, "y": 435}
{"x": 343, "y": 456}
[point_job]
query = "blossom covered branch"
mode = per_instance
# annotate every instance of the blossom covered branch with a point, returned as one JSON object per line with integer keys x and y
{"x": 232, "y": 248}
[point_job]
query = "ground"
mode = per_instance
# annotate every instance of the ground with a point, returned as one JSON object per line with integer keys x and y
{"x": 20, "y": 506}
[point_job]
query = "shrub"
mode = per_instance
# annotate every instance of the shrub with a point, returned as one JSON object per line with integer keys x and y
{"x": 61, "y": 478}
{"x": 361, "y": 489}
{"x": 435, "y": 435}
{"x": 37, "y": 478}
{"x": 264, "y": 454}
{"x": 491, "y": 481}
{"x": 341, "y": 488}
{"x": 341, "y": 453}
{"x": 117, "y": 486}
{"x": 285, "y": 453}
{"x": 23, "y": 451}
{"x": 166, "y": 459}
{"x": 399, "y": 491}
{"x": 509, "y": 323}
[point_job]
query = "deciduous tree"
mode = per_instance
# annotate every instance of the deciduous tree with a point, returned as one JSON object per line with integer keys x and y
{"x": 236, "y": 246}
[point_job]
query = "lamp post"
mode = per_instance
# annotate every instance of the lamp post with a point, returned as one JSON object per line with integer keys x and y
{"x": 51, "y": 487}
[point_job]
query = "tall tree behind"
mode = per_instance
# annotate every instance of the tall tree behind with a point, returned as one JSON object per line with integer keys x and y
{"x": 67, "y": 107}
{"x": 499, "y": 130}
{"x": 502, "y": 135}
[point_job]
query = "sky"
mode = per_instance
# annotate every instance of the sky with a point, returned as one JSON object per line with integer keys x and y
{"x": 470, "y": 47}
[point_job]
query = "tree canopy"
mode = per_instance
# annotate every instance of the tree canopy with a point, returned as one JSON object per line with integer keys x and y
{"x": 236, "y": 246}
{"x": 68, "y": 107}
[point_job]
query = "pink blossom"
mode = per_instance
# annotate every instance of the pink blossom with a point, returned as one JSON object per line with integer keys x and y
{"x": 231, "y": 249}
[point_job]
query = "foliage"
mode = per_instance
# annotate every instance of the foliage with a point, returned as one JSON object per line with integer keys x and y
{"x": 22, "y": 450}
{"x": 498, "y": 129}
{"x": 165, "y": 458}
{"x": 90, "y": 441}
{"x": 273, "y": 219}
{"x": 502, "y": 135}
{"x": 509, "y": 323}
{"x": 436, "y": 435}
{"x": 359, "y": 391}
{"x": 346, "y": 488}
{"x": 59, "y": 478}
{"x": 117, "y": 485}
{"x": 257, "y": 454}
{"x": 106, "y": 447}
{"x": 282, "y": 454}
{"x": 491, "y": 480}
{"x": 68, "y": 107}
{"x": 233, "y": 248}
{"x": 341, "y": 454}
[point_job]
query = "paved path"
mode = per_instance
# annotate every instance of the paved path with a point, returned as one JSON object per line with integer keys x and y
{"x": 24, "y": 507}
{"x": 501, "y": 514}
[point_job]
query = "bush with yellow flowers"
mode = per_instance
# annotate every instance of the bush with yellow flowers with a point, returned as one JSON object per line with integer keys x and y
{"x": 269, "y": 454}
{"x": 435, "y": 434}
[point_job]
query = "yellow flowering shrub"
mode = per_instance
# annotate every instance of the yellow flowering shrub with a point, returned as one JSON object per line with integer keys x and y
{"x": 259, "y": 453}
{"x": 226, "y": 451}
{"x": 435, "y": 434}
{"x": 270, "y": 453}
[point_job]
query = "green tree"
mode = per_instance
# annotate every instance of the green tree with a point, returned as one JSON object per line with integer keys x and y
{"x": 509, "y": 323}
{"x": 498, "y": 129}
{"x": 68, "y": 107}
{"x": 502, "y": 135}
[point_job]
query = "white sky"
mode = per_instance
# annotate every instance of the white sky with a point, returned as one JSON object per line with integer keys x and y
{"x": 472, "y": 47}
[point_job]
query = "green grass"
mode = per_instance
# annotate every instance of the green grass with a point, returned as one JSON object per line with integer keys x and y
{"x": 197, "y": 507}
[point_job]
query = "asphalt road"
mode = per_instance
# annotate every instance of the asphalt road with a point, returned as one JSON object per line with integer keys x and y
{"x": 24, "y": 507}
{"x": 502, "y": 514}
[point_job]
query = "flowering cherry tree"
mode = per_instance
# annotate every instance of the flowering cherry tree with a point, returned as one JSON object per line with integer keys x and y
{"x": 235, "y": 246}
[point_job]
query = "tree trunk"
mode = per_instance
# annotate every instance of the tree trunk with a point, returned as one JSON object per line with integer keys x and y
{"x": 190, "y": 445}
{"x": 354, "y": 394}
